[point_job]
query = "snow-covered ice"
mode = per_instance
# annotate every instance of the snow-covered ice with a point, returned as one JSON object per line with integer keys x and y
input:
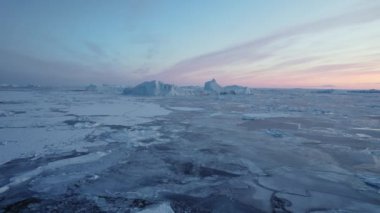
{"x": 52, "y": 165}
{"x": 186, "y": 108}
{"x": 186, "y": 150}
{"x": 48, "y": 121}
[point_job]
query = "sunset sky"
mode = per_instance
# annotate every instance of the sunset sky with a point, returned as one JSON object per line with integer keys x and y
{"x": 256, "y": 43}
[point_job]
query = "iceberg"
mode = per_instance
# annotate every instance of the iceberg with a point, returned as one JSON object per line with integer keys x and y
{"x": 212, "y": 86}
{"x": 158, "y": 88}
{"x": 153, "y": 88}
{"x": 236, "y": 90}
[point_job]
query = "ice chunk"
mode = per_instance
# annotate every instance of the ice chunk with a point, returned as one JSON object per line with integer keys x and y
{"x": 162, "y": 208}
{"x": 4, "y": 189}
{"x": 52, "y": 165}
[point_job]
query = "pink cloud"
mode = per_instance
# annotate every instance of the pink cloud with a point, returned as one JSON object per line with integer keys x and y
{"x": 263, "y": 48}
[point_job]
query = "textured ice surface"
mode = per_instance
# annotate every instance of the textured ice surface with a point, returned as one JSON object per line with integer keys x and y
{"x": 276, "y": 151}
{"x": 50, "y": 121}
{"x": 50, "y": 166}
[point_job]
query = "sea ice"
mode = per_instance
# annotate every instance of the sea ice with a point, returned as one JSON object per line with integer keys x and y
{"x": 274, "y": 151}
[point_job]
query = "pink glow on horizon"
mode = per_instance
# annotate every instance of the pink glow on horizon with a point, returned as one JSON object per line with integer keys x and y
{"x": 369, "y": 80}
{"x": 332, "y": 52}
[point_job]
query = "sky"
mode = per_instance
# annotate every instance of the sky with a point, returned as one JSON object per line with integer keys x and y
{"x": 256, "y": 43}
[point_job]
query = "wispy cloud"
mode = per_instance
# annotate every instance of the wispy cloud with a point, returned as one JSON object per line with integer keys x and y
{"x": 267, "y": 47}
{"x": 278, "y": 66}
{"x": 334, "y": 68}
{"x": 95, "y": 49}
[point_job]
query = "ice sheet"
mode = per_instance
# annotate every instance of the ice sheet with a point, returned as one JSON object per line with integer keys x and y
{"x": 274, "y": 151}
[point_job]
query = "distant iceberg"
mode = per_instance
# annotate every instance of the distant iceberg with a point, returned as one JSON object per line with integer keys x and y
{"x": 212, "y": 86}
{"x": 104, "y": 88}
{"x": 158, "y": 88}
{"x": 237, "y": 90}
{"x": 153, "y": 88}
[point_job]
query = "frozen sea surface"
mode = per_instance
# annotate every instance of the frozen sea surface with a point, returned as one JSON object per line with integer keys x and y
{"x": 274, "y": 151}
